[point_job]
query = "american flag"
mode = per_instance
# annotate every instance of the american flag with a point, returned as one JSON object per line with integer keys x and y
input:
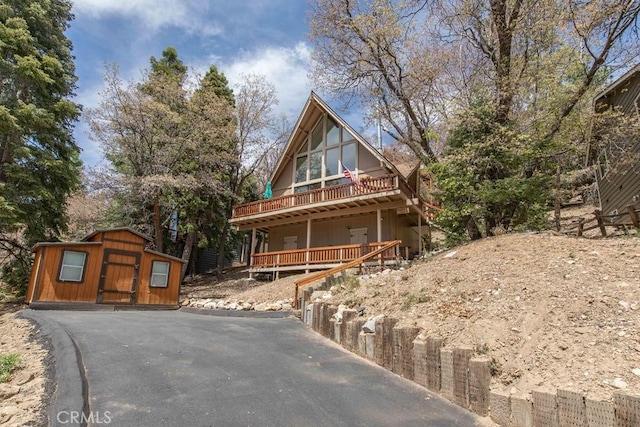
{"x": 349, "y": 175}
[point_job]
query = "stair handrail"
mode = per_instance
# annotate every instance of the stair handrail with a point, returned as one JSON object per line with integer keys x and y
{"x": 342, "y": 267}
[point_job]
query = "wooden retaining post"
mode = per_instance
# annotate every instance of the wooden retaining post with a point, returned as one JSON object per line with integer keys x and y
{"x": 545, "y": 409}
{"x": 634, "y": 216}
{"x": 603, "y": 230}
{"x": 384, "y": 342}
{"x": 402, "y": 363}
{"x": 433, "y": 363}
{"x": 420, "y": 361}
{"x": 461, "y": 357}
{"x": 347, "y": 316}
{"x": 479, "y": 385}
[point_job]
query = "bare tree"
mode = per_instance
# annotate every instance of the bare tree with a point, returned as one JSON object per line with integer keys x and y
{"x": 377, "y": 52}
{"x": 258, "y": 138}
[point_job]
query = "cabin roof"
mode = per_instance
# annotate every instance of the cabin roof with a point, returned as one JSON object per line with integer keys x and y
{"x": 621, "y": 80}
{"x": 305, "y": 124}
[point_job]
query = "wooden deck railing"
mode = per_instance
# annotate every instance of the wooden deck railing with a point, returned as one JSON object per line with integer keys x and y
{"x": 320, "y": 255}
{"x": 384, "y": 247}
{"x": 335, "y": 192}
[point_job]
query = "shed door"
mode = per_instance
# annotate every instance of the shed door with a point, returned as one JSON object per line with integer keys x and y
{"x": 119, "y": 277}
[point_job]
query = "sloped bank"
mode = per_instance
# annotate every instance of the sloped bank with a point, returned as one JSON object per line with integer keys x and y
{"x": 461, "y": 375}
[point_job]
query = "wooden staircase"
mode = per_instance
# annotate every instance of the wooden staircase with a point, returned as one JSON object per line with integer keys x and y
{"x": 340, "y": 268}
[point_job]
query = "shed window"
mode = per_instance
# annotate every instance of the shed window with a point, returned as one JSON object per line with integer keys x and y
{"x": 72, "y": 267}
{"x": 159, "y": 274}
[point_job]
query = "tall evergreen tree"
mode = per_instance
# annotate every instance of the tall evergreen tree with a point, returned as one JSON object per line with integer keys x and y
{"x": 39, "y": 161}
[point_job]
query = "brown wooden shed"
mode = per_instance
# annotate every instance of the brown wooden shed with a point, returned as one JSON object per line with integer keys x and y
{"x": 107, "y": 267}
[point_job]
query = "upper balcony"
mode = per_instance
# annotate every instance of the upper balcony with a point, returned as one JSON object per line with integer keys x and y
{"x": 387, "y": 191}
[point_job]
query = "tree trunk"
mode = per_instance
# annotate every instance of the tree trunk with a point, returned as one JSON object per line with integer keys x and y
{"x": 472, "y": 229}
{"x": 157, "y": 224}
{"x": 557, "y": 199}
{"x": 222, "y": 240}
{"x": 256, "y": 247}
{"x": 186, "y": 254}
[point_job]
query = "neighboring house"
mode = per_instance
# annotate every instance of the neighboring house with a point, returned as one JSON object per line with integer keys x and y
{"x": 335, "y": 197}
{"x": 107, "y": 267}
{"x": 618, "y": 186}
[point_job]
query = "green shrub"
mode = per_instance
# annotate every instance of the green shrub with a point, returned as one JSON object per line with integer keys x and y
{"x": 8, "y": 364}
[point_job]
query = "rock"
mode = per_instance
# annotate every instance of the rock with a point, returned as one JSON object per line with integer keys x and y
{"x": 338, "y": 315}
{"x": 232, "y": 306}
{"x": 210, "y": 305}
{"x": 636, "y": 372}
{"x": 251, "y": 301}
{"x": 7, "y": 412}
{"x": 8, "y": 390}
{"x": 287, "y": 306}
{"x": 619, "y": 383}
{"x": 274, "y": 307}
{"x": 451, "y": 254}
{"x": 370, "y": 326}
{"x": 247, "y": 305}
{"x": 624, "y": 304}
{"x": 386, "y": 271}
{"x": 23, "y": 377}
{"x": 262, "y": 306}
{"x": 186, "y": 302}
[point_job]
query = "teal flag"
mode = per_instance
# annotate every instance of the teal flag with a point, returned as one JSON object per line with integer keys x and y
{"x": 268, "y": 193}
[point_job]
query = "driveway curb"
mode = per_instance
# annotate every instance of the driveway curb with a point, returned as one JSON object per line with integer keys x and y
{"x": 71, "y": 390}
{"x": 239, "y": 313}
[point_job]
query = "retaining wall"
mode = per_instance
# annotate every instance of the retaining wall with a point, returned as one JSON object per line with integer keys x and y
{"x": 463, "y": 377}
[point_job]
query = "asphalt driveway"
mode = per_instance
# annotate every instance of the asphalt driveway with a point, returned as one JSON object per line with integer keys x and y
{"x": 171, "y": 368}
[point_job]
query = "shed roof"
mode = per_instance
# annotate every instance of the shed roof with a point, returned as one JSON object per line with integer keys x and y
{"x": 106, "y": 230}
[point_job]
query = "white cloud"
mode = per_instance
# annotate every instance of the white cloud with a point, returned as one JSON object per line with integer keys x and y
{"x": 154, "y": 14}
{"x": 286, "y": 68}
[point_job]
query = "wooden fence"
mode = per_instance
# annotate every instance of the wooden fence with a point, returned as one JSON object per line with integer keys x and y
{"x": 629, "y": 218}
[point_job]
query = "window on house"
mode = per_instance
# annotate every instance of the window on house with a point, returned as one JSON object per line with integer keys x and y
{"x": 316, "y": 136}
{"x": 349, "y": 156}
{"x": 333, "y": 133}
{"x": 159, "y": 274}
{"x": 301, "y": 169}
{"x": 72, "y": 266}
{"x": 331, "y": 157}
{"x": 321, "y": 155}
{"x": 315, "y": 165}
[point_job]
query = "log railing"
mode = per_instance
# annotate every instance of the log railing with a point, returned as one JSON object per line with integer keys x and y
{"x": 320, "y": 255}
{"x": 334, "y": 192}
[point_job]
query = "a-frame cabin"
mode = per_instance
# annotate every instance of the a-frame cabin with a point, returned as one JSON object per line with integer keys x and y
{"x": 318, "y": 217}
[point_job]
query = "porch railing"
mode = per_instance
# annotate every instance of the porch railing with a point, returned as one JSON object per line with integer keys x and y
{"x": 334, "y": 192}
{"x": 320, "y": 255}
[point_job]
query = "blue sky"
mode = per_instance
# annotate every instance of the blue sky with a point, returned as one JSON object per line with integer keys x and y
{"x": 242, "y": 36}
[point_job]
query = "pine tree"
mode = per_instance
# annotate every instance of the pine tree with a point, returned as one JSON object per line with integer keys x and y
{"x": 39, "y": 161}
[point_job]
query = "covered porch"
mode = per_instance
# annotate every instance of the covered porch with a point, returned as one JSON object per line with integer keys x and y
{"x": 321, "y": 258}
{"x": 330, "y": 226}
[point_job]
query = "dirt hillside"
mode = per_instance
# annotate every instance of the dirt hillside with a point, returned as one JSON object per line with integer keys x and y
{"x": 552, "y": 311}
